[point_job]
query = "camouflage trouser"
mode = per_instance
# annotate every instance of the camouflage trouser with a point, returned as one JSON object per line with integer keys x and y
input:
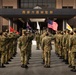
{"x": 43, "y": 54}
{"x": 2, "y": 57}
{"x": 24, "y": 58}
{"x": 30, "y": 50}
{"x": 60, "y": 53}
{"x": 47, "y": 58}
{"x": 14, "y": 48}
{"x": 6, "y": 56}
{"x": 69, "y": 57}
{"x": 73, "y": 62}
{"x": 56, "y": 48}
{"x": 10, "y": 51}
{"x": 38, "y": 45}
{"x": 65, "y": 54}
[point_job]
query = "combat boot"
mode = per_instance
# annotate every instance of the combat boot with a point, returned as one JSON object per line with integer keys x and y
{"x": 70, "y": 66}
{"x": 23, "y": 66}
{"x": 2, "y": 66}
{"x": 45, "y": 66}
{"x": 9, "y": 60}
{"x": 26, "y": 66}
{"x": 48, "y": 66}
{"x": 74, "y": 70}
{"x": 6, "y": 63}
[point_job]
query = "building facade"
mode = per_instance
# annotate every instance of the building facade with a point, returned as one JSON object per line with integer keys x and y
{"x": 10, "y": 8}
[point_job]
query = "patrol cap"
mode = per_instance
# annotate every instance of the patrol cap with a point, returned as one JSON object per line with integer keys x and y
{"x": 74, "y": 29}
{"x": 23, "y": 31}
{"x": 71, "y": 32}
{"x": 4, "y": 33}
{"x": 27, "y": 32}
{"x": 7, "y": 30}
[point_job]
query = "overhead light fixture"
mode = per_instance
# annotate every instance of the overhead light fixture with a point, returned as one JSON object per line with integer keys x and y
{"x": 37, "y": 7}
{"x": 55, "y": 19}
{"x": 37, "y": 19}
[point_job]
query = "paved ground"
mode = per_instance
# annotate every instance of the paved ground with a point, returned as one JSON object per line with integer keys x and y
{"x": 35, "y": 67}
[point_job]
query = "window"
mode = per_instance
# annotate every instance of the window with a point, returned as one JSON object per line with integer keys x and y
{"x": 41, "y": 3}
{"x": 65, "y": 7}
{"x": 4, "y": 28}
{"x": 10, "y": 7}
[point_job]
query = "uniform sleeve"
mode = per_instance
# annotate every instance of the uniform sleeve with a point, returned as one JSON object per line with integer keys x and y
{"x": 42, "y": 44}
{"x": 19, "y": 43}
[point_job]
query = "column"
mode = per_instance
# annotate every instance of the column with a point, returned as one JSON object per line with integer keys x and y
{"x": 64, "y": 25}
{"x": 10, "y": 23}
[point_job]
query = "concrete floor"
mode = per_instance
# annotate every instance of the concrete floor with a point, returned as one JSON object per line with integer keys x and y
{"x": 35, "y": 67}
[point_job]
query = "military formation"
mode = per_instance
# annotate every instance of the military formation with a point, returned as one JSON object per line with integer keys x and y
{"x": 8, "y": 45}
{"x": 65, "y": 47}
{"x": 43, "y": 40}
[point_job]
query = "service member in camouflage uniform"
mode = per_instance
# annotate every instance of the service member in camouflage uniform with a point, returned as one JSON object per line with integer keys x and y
{"x": 46, "y": 46}
{"x": 73, "y": 51}
{"x": 64, "y": 42}
{"x": 0, "y": 46}
{"x": 23, "y": 43}
{"x": 41, "y": 37}
{"x": 30, "y": 38}
{"x": 69, "y": 48}
{"x": 37, "y": 37}
{"x": 3, "y": 47}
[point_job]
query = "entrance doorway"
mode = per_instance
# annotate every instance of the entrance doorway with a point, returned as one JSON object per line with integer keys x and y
{"x": 33, "y": 24}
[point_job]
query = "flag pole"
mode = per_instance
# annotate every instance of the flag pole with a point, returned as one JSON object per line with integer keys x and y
{"x": 9, "y": 25}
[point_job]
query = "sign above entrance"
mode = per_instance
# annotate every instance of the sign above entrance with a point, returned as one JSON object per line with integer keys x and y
{"x": 37, "y": 12}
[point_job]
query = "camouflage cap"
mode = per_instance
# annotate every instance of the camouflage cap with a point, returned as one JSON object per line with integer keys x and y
{"x": 23, "y": 31}
{"x": 7, "y": 30}
{"x": 74, "y": 29}
{"x": 4, "y": 33}
{"x": 27, "y": 32}
{"x": 47, "y": 33}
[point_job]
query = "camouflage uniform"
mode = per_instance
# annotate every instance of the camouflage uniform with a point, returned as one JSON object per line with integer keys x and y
{"x": 41, "y": 37}
{"x": 23, "y": 43}
{"x": 7, "y": 49}
{"x": 64, "y": 43}
{"x": 46, "y": 46}
{"x": 3, "y": 48}
{"x": 56, "y": 44}
{"x": 73, "y": 51}
{"x": 60, "y": 44}
{"x": 0, "y": 46}
{"x": 37, "y": 37}
{"x": 30, "y": 38}
{"x": 68, "y": 43}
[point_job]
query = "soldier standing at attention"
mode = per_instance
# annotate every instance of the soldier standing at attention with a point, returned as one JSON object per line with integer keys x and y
{"x": 46, "y": 46}
{"x": 73, "y": 51}
{"x": 41, "y": 37}
{"x": 2, "y": 49}
{"x": 37, "y": 37}
{"x": 23, "y": 43}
